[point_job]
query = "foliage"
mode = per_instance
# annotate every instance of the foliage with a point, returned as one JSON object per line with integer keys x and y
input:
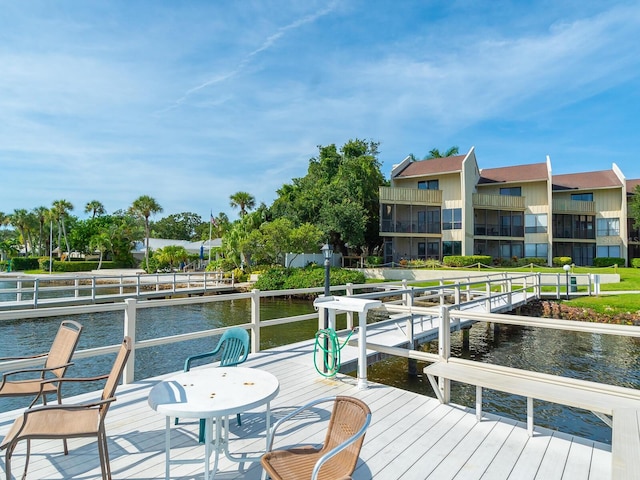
{"x": 280, "y": 278}
{"x": 243, "y": 201}
{"x": 560, "y": 261}
{"x": 435, "y": 153}
{"x": 531, "y": 260}
{"x": 20, "y": 264}
{"x": 85, "y": 266}
{"x": 178, "y": 226}
{"x": 339, "y": 195}
{"x": 170, "y": 256}
{"x": 95, "y": 207}
{"x": 608, "y": 261}
{"x": 374, "y": 261}
{"x": 466, "y": 260}
{"x": 635, "y": 262}
{"x": 143, "y": 207}
{"x": 634, "y": 207}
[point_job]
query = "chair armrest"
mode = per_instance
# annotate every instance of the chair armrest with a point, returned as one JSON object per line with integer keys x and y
{"x": 34, "y": 370}
{"x": 69, "y": 406}
{"x": 289, "y": 416}
{"x": 63, "y": 380}
{"x": 339, "y": 448}
{"x": 187, "y": 362}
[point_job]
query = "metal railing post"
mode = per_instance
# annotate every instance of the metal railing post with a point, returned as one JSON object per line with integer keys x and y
{"x": 93, "y": 288}
{"x": 255, "y": 320}
{"x": 76, "y": 285}
{"x": 36, "y": 291}
{"x": 487, "y": 301}
{"x": 130, "y": 312}
{"x": 444, "y": 350}
{"x": 18, "y": 290}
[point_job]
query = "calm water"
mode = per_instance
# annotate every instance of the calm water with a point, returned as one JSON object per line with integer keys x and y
{"x": 606, "y": 359}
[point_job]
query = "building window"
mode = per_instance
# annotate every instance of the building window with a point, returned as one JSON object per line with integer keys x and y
{"x": 428, "y": 185}
{"x": 536, "y": 250}
{"x": 573, "y": 226}
{"x": 451, "y": 248}
{"x": 608, "y": 227}
{"x": 582, "y": 197}
{"x": 608, "y": 251}
{"x": 452, "y": 219}
{"x": 535, "y": 223}
{"x": 511, "y": 191}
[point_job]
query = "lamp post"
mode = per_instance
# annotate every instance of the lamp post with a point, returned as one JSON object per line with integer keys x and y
{"x": 566, "y": 269}
{"x": 327, "y": 252}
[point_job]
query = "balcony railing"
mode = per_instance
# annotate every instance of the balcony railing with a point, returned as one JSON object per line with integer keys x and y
{"x": 506, "y": 202}
{"x": 410, "y": 196}
{"x": 494, "y": 230}
{"x": 408, "y": 226}
{"x": 573, "y": 206}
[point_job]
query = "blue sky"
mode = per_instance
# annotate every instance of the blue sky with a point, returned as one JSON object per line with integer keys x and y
{"x": 192, "y": 101}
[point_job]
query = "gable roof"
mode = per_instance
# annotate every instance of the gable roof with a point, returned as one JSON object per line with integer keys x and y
{"x": 432, "y": 166}
{"x": 586, "y": 180}
{"x": 518, "y": 173}
{"x": 631, "y": 185}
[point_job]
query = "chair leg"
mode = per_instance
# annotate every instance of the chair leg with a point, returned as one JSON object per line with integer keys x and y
{"x": 26, "y": 460}
{"x": 201, "y": 432}
{"x": 103, "y": 450}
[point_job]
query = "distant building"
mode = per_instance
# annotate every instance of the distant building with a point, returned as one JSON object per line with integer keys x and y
{"x": 198, "y": 247}
{"x": 448, "y": 206}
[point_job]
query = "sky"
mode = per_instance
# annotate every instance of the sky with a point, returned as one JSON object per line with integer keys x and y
{"x": 192, "y": 101}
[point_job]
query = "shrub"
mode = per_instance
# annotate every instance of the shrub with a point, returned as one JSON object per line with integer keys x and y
{"x": 374, "y": 261}
{"x": 466, "y": 260}
{"x": 608, "y": 261}
{"x": 280, "y": 278}
{"x": 635, "y": 262}
{"x": 24, "y": 263}
{"x": 560, "y": 261}
{"x": 531, "y": 260}
{"x": 83, "y": 266}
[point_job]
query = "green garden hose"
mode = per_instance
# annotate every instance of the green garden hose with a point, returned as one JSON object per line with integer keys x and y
{"x": 331, "y": 353}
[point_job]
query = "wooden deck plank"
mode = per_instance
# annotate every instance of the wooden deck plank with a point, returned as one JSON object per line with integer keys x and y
{"x": 410, "y": 435}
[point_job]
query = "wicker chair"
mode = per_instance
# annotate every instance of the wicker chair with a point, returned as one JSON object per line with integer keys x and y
{"x": 69, "y": 420}
{"x": 338, "y": 456}
{"x": 58, "y": 359}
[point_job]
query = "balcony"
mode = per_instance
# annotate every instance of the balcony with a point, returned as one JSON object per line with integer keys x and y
{"x": 500, "y": 202}
{"x": 410, "y": 196}
{"x": 409, "y": 226}
{"x": 574, "y": 206}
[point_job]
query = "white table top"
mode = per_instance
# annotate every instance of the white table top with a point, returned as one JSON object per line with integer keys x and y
{"x": 213, "y": 392}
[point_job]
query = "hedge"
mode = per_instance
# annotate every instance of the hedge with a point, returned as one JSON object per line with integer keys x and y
{"x": 560, "y": 261}
{"x": 280, "y": 278}
{"x": 77, "y": 266}
{"x": 608, "y": 261}
{"x": 635, "y": 262}
{"x": 19, "y": 264}
{"x": 466, "y": 260}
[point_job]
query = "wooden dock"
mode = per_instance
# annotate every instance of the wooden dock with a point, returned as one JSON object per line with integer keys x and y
{"x": 412, "y": 436}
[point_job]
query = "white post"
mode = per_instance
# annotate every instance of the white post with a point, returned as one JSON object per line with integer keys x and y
{"x": 255, "y": 320}
{"x": 18, "y": 290}
{"x": 121, "y": 284}
{"x": 487, "y": 302}
{"x": 130, "y": 331}
{"x": 468, "y": 288}
{"x": 349, "y": 292}
{"x": 36, "y": 289}
{"x": 93, "y": 288}
{"x": 510, "y": 292}
{"x": 362, "y": 351}
{"x": 76, "y": 284}
{"x": 444, "y": 351}
{"x": 441, "y": 292}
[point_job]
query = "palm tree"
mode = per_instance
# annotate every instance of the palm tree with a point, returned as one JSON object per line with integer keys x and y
{"x": 20, "y": 220}
{"x": 95, "y": 207}
{"x": 42, "y": 215}
{"x": 244, "y": 201}
{"x": 435, "y": 153}
{"x": 102, "y": 243}
{"x": 60, "y": 209}
{"x": 144, "y": 207}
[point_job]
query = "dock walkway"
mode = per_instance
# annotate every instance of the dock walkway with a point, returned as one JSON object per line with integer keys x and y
{"x": 411, "y": 436}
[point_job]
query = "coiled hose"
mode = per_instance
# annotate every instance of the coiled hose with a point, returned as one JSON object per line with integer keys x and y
{"x": 330, "y": 354}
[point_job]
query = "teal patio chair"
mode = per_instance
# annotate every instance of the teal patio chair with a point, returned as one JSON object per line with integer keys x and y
{"x": 232, "y": 349}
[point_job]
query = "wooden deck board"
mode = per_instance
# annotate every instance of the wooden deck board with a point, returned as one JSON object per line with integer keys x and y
{"x": 411, "y": 436}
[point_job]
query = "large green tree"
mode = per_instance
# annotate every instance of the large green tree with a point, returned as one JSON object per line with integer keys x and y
{"x": 101, "y": 243}
{"x": 178, "y": 226}
{"x": 634, "y": 207}
{"x": 20, "y": 220}
{"x": 143, "y": 207}
{"x": 339, "y": 195}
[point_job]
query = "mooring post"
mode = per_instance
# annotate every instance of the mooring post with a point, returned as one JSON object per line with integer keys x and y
{"x": 130, "y": 311}
{"x": 465, "y": 338}
{"x": 444, "y": 351}
{"x": 255, "y": 320}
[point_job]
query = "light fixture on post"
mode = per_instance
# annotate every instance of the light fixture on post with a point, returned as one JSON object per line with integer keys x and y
{"x": 566, "y": 269}
{"x": 328, "y": 253}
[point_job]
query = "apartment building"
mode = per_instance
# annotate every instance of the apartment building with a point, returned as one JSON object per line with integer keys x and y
{"x": 448, "y": 206}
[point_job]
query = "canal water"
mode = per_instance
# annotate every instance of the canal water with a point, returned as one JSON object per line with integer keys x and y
{"x": 601, "y": 358}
